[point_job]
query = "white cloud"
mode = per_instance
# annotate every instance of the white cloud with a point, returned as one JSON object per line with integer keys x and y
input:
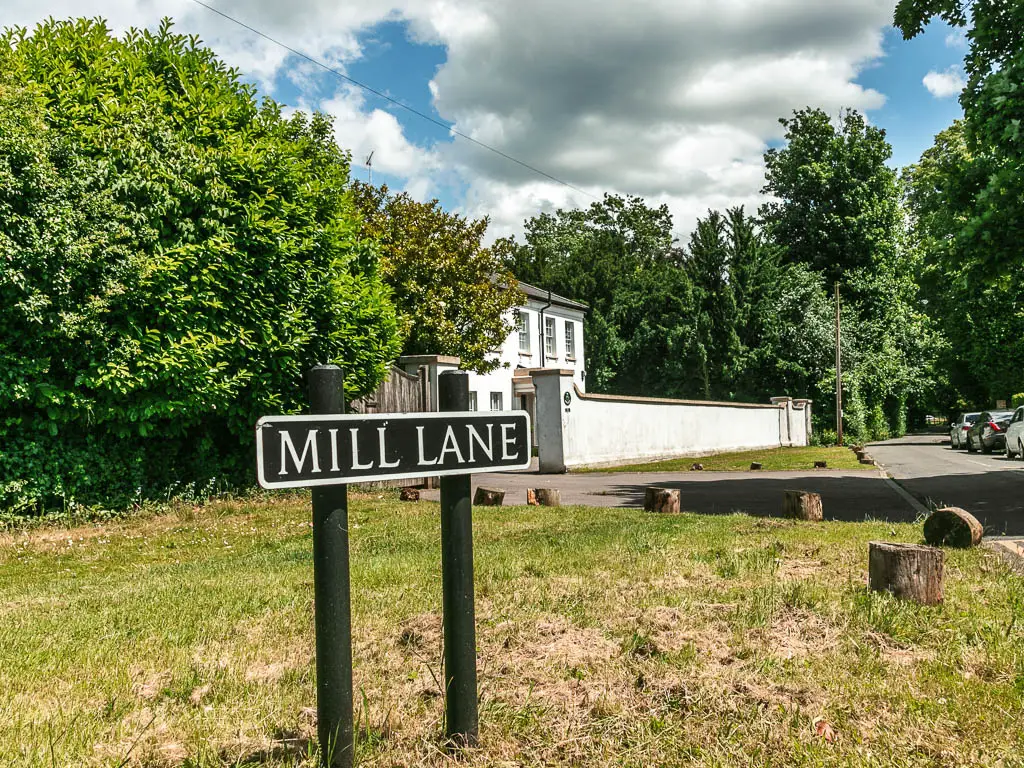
{"x": 957, "y": 39}
{"x": 674, "y": 100}
{"x": 942, "y": 85}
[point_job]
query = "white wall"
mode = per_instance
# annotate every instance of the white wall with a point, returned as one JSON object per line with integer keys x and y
{"x": 576, "y": 430}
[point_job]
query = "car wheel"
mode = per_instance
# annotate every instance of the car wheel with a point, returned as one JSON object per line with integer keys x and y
{"x": 1020, "y": 449}
{"x": 1007, "y": 451}
{"x": 985, "y": 448}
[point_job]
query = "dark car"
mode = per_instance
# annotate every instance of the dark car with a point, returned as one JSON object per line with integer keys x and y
{"x": 988, "y": 433}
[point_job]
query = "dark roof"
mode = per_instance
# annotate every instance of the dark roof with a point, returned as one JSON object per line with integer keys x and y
{"x": 542, "y": 295}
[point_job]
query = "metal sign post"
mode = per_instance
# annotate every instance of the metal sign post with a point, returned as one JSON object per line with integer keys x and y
{"x": 329, "y": 449}
{"x": 331, "y": 592}
{"x": 459, "y": 612}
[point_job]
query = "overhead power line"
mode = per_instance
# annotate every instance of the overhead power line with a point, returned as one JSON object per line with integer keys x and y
{"x": 391, "y": 100}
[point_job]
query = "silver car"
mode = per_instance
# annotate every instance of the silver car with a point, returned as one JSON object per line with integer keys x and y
{"x": 958, "y": 429}
{"x": 1015, "y": 435}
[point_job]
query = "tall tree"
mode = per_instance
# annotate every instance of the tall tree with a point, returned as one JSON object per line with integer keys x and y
{"x": 453, "y": 294}
{"x": 588, "y": 255}
{"x": 837, "y": 207}
{"x": 838, "y": 212}
{"x": 993, "y": 116}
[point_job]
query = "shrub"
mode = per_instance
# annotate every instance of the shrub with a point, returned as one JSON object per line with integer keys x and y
{"x": 174, "y": 256}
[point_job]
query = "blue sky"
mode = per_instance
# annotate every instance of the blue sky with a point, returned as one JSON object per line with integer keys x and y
{"x": 672, "y": 100}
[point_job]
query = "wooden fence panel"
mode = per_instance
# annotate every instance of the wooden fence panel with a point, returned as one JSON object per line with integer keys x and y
{"x": 400, "y": 392}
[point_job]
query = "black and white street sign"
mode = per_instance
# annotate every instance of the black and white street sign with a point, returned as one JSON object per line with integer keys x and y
{"x": 300, "y": 451}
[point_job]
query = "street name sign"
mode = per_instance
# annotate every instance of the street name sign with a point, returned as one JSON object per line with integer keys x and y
{"x": 302, "y": 451}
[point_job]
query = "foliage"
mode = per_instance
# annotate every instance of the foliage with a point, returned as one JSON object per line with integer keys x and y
{"x": 837, "y": 207}
{"x": 589, "y": 255}
{"x": 175, "y": 257}
{"x": 993, "y": 119}
{"x": 454, "y": 295}
{"x": 838, "y": 212}
{"x": 982, "y": 318}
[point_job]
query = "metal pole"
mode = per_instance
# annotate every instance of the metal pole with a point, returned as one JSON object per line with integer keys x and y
{"x": 461, "y": 725}
{"x": 839, "y": 376}
{"x": 331, "y": 592}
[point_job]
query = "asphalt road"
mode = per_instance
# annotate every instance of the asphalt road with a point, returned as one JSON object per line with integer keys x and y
{"x": 845, "y": 495}
{"x": 990, "y": 487}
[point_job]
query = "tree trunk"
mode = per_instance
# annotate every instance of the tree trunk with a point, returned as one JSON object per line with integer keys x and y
{"x": 802, "y": 505}
{"x": 545, "y": 497}
{"x": 908, "y": 571}
{"x": 489, "y": 497}
{"x": 661, "y": 500}
{"x": 952, "y": 527}
{"x": 755, "y": 465}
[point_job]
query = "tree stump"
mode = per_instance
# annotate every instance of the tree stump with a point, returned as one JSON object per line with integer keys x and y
{"x": 755, "y": 465}
{"x": 544, "y": 497}
{"x": 952, "y": 527}
{"x": 820, "y": 464}
{"x": 802, "y": 505}
{"x": 661, "y": 500}
{"x": 908, "y": 571}
{"x": 409, "y": 494}
{"x": 489, "y": 497}
{"x": 531, "y": 498}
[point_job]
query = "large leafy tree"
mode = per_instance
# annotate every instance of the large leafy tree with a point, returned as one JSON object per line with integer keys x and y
{"x": 588, "y": 255}
{"x": 993, "y": 118}
{"x": 837, "y": 202}
{"x": 982, "y": 318}
{"x": 174, "y": 257}
{"x": 838, "y": 212}
{"x": 454, "y": 295}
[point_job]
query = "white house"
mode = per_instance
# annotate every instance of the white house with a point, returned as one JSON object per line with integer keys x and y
{"x": 547, "y": 333}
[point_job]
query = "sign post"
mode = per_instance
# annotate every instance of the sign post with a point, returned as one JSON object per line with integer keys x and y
{"x": 328, "y": 449}
{"x": 459, "y": 613}
{"x": 331, "y": 592}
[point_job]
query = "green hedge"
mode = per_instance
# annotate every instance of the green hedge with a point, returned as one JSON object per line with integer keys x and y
{"x": 174, "y": 257}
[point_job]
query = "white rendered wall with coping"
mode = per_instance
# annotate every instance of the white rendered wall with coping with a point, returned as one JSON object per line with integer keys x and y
{"x": 578, "y": 430}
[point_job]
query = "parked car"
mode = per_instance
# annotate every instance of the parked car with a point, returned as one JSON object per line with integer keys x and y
{"x": 1015, "y": 435}
{"x": 988, "y": 433}
{"x": 958, "y": 429}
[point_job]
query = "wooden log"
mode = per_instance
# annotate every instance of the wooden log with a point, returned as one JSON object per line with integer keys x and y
{"x": 755, "y": 465}
{"x": 908, "y": 571}
{"x": 820, "y": 464}
{"x": 953, "y": 527}
{"x": 661, "y": 499}
{"x": 489, "y": 497}
{"x": 409, "y": 494}
{"x": 531, "y": 497}
{"x": 802, "y": 505}
{"x": 545, "y": 497}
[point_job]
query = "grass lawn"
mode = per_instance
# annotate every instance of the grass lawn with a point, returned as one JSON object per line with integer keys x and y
{"x": 607, "y": 637}
{"x": 778, "y": 459}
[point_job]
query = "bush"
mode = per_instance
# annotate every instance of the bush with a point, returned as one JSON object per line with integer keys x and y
{"x": 1017, "y": 400}
{"x": 175, "y": 257}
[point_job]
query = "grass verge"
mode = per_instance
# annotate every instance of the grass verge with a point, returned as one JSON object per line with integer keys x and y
{"x": 607, "y": 637}
{"x": 771, "y": 459}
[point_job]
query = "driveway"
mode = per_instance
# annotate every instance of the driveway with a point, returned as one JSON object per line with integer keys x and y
{"x": 990, "y": 487}
{"x": 845, "y": 495}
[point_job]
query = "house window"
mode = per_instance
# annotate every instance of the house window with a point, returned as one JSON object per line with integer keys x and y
{"x": 496, "y": 401}
{"x": 550, "y": 349}
{"x": 524, "y": 333}
{"x": 570, "y": 340}
{"x": 472, "y": 401}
